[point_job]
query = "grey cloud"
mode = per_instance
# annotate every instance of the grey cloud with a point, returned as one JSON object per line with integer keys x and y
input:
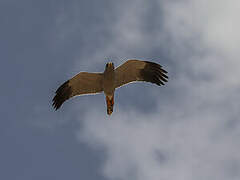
{"x": 188, "y": 136}
{"x": 188, "y": 129}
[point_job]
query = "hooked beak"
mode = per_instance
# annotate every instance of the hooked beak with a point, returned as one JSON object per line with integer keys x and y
{"x": 110, "y": 64}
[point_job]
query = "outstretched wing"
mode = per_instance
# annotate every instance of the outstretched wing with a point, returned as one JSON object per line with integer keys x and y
{"x": 82, "y": 83}
{"x": 136, "y": 70}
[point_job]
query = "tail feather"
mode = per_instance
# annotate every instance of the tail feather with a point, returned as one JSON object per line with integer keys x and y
{"x": 110, "y": 103}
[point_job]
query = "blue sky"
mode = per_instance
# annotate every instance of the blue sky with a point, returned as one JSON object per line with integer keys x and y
{"x": 188, "y": 129}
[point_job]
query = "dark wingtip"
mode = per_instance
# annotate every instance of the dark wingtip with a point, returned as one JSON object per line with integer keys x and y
{"x": 154, "y": 73}
{"x": 62, "y": 94}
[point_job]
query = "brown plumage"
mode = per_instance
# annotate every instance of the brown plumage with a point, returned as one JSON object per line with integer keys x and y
{"x": 109, "y": 80}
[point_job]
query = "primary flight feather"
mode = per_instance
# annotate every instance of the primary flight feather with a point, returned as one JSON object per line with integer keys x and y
{"x": 109, "y": 80}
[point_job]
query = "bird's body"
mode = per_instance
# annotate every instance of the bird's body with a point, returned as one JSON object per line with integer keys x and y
{"x": 109, "y": 86}
{"x": 109, "y": 80}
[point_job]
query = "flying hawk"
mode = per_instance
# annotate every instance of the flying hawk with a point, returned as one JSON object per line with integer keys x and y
{"x": 109, "y": 80}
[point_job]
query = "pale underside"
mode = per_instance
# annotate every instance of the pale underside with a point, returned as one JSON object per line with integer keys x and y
{"x": 93, "y": 83}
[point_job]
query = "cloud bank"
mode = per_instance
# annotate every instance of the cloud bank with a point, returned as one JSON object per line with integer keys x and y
{"x": 194, "y": 131}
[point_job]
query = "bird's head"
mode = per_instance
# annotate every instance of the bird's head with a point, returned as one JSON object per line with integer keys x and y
{"x": 109, "y": 66}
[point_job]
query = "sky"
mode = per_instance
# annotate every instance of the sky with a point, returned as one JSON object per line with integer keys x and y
{"x": 188, "y": 129}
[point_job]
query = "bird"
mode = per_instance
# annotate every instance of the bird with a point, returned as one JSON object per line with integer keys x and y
{"x": 132, "y": 70}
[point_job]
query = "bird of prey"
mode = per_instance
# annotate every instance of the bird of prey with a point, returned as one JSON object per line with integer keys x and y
{"x": 92, "y": 83}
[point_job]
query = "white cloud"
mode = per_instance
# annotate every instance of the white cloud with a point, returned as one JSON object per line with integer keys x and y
{"x": 196, "y": 135}
{"x": 180, "y": 145}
